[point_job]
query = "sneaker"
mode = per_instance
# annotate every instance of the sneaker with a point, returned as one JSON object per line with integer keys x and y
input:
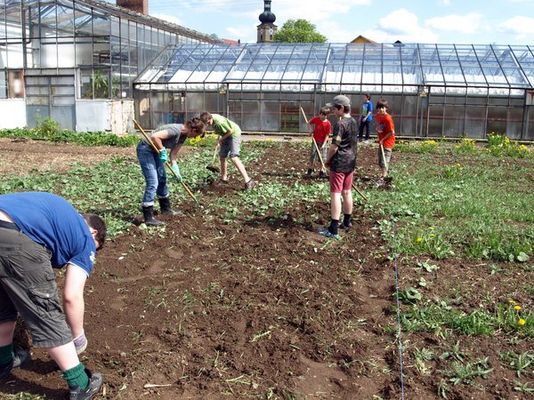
{"x": 20, "y": 358}
{"x": 380, "y": 183}
{"x": 95, "y": 383}
{"x": 326, "y": 233}
{"x": 346, "y": 228}
{"x": 250, "y": 184}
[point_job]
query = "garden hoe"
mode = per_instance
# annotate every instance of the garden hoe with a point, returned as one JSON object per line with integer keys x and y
{"x": 322, "y": 162}
{"x": 212, "y": 167}
{"x": 168, "y": 164}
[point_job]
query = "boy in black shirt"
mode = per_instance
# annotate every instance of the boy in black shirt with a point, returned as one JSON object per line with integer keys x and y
{"x": 341, "y": 160}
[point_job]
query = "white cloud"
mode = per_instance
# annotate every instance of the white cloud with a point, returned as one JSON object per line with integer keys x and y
{"x": 169, "y": 18}
{"x": 522, "y": 27}
{"x": 469, "y": 23}
{"x": 334, "y": 32}
{"x": 400, "y": 25}
{"x": 445, "y": 2}
{"x": 314, "y": 10}
{"x": 398, "y": 21}
{"x": 245, "y": 33}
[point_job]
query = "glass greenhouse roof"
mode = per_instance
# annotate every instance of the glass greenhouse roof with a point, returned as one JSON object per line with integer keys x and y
{"x": 349, "y": 67}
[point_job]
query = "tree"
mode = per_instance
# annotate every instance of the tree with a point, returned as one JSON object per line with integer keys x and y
{"x": 298, "y": 31}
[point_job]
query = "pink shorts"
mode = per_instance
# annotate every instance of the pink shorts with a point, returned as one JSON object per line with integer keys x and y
{"x": 340, "y": 181}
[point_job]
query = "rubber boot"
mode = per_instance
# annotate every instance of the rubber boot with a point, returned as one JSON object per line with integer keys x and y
{"x": 165, "y": 206}
{"x": 148, "y": 214}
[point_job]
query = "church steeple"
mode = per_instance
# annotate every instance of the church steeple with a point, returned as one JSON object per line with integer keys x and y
{"x": 267, "y": 28}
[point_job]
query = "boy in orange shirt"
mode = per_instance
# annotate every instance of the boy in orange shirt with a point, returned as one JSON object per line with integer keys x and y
{"x": 385, "y": 130}
{"x": 321, "y": 129}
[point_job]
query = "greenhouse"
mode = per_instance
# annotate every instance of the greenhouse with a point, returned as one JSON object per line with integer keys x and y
{"x": 75, "y": 60}
{"x": 434, "y": 90}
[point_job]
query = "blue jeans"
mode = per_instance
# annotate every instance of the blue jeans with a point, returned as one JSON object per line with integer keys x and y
{"x": 154, "y": 173}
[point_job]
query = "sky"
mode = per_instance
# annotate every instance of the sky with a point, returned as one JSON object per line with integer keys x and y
{"x": 421, "y": 21}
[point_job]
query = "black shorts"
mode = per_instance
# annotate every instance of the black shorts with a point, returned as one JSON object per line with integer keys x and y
{"x": 28, "y": 287}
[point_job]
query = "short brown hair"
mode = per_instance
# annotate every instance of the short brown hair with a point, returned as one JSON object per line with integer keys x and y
{"x": 197, "y": 126}
{"x": 205, "y": 117}
{"x": 98, "y": 224}
{"x": 382, "y": 104}
{"x": 324, "y": 111}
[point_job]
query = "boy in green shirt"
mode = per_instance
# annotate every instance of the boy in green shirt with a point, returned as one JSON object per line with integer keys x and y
{"x": 229, "y": 145}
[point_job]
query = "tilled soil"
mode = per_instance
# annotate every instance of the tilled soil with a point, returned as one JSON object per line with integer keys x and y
{"x": 259, "y": 308}
{"x": 262, "y": 308}
{"x": 22, "y": 156}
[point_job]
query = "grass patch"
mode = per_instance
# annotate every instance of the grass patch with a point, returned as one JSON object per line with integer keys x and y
{"x": 473, "y": 206}
{"x": 438, "y": 318}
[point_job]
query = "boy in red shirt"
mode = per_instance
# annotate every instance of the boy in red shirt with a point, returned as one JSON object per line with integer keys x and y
{"x": 385, "y": 130}
{"x": 321, "y": 129}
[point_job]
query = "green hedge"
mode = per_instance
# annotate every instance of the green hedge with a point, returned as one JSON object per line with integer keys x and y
{"x": 49, "y": 130}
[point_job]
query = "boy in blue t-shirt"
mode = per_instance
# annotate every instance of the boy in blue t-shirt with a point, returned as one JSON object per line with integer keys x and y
{"x": 366, "y": 116}
{"x": 38, "y": 232}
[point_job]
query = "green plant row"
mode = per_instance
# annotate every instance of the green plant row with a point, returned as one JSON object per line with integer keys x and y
{"x": 497, "y": 145}
{"x": 49, "y": 130}
{"x": 436, "y": 318}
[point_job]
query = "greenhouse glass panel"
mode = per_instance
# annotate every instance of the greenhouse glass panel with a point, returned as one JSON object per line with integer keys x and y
{"x": 491, "y": 66}
{"x": 101, "y": 26}
{"x": 524, "y": 57}
{"x": 514, "y": 123}
{"x": 313, "y": 72}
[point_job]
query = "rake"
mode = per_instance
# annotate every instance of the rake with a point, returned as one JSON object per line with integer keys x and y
{"x": 167, "y": 164}
{"x": 321, "y": 158}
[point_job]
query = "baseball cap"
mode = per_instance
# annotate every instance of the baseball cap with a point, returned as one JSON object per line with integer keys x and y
{"x": 339, "y": 100}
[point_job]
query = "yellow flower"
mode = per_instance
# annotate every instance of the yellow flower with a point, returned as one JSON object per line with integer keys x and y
{"x": 511, "y": 301}
{"x": 517, "y": 308}
{"x": 521, "y": 322}
{"x": 419, "y": 240}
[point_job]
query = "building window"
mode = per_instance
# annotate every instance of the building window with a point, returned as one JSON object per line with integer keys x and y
{"x": 15, "y": 84}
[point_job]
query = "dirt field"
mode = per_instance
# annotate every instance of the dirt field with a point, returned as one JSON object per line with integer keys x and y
{"x": 23, "y": 156}
{"x": 261, "y": 308}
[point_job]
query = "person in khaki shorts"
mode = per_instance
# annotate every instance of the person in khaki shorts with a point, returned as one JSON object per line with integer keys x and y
{"x": 38, "y": 232}
{"x": 385, "y": 130}
{"x": 229, "y": 145}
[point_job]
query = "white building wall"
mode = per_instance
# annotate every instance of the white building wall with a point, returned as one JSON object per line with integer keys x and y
{"x": 104, "y": 115}
{"x": 93, "y": 115}
{"x": 12, "y": 113}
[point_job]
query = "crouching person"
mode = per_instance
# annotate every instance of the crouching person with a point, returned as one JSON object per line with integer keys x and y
{"x": 38, "y": 232}
{"x": 168, "y": 139}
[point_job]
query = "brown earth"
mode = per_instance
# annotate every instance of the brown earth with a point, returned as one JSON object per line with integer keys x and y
{"x": 22, "y": 156}
{"x": 258, "y": 308}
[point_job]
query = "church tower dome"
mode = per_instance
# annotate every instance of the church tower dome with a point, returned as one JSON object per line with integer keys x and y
{"x": 267, "y": 28}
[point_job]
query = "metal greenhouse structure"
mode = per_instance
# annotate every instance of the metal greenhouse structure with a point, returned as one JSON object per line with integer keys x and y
{"x": 75, "y": 61}
{"x": 434, "y": 90}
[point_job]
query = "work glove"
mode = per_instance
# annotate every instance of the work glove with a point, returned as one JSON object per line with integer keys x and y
{"x": 163, "y": 155}
{"x": 176, "y": 169}
{"x": 80, "y": 342}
